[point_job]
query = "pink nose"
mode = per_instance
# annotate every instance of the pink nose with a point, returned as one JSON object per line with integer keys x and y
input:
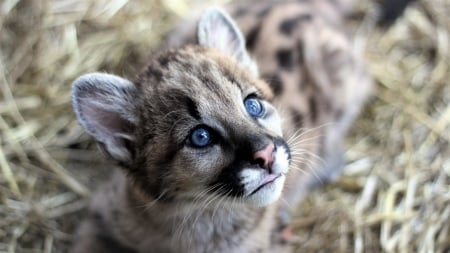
{"x": 264, "y": 157}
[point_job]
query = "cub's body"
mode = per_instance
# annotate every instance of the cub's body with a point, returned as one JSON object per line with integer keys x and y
{"x": 174, "y": 194}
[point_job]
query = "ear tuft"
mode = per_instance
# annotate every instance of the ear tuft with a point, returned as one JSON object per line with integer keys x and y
{"x": 217, "y": 30}
{"x": 104, "y": 105}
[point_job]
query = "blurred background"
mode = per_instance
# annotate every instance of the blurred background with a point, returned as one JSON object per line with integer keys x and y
{"x": 393, "y": 197}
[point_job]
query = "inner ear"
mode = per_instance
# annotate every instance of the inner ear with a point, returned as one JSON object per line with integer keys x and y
{"x": 217, "y": 30}
{"x": 105, "y": 107}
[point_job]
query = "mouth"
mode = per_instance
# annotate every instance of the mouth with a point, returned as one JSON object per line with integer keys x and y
{"x": 271, "y": 178}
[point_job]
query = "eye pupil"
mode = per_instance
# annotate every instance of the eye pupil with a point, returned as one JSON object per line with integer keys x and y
{"x": 254, "y": 107}
{"x": 200, "y": 137}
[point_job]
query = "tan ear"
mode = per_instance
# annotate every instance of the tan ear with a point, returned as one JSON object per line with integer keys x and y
{"x": 217, "y": 30}
{"x": 104, "y": 106}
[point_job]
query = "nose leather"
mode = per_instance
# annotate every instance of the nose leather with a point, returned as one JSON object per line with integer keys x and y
{"x": 264, "y": 157}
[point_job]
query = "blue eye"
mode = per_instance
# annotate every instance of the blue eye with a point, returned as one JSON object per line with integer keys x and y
{"x": 254, "y": 107}
{"x": 200, "y": 137}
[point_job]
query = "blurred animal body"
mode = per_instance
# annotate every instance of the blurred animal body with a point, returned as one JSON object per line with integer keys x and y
{"x": 236, "y": 118}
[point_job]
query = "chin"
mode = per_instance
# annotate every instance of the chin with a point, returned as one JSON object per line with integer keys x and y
{"x": 268, "y": 194}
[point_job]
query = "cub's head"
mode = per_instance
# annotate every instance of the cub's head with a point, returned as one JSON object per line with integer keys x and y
{"x": 197, "y": 123}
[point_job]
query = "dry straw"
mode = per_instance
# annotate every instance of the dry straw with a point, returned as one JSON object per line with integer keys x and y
{"x": 394, "y": 196}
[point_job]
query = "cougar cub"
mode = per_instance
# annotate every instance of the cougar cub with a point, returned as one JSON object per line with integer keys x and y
{"x": 211, "y": 136}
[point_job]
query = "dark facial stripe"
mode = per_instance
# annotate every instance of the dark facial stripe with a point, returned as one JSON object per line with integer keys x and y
{"x": 288, "y": 26}
{"x": 192, "y": 108}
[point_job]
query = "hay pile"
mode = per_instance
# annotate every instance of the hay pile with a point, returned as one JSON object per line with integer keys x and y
{"x": 394, "y": 197}
{"x": 46, "y": 162}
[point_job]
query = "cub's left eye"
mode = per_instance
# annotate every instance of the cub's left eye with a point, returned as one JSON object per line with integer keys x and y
{"x": 254, "y": 107}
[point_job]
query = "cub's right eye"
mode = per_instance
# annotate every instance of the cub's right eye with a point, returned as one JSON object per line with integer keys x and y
{"x": 200, "y": 137}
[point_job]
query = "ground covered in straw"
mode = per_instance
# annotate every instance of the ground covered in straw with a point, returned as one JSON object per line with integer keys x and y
{"x": 394, "y": 196}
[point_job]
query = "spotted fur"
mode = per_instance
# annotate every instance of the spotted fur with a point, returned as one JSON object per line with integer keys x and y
{"x": 172, "y": 196}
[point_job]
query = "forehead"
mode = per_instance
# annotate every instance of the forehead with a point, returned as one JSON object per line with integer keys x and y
{"x": 199, "y": 70}
{"x": 199, "y": 76}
